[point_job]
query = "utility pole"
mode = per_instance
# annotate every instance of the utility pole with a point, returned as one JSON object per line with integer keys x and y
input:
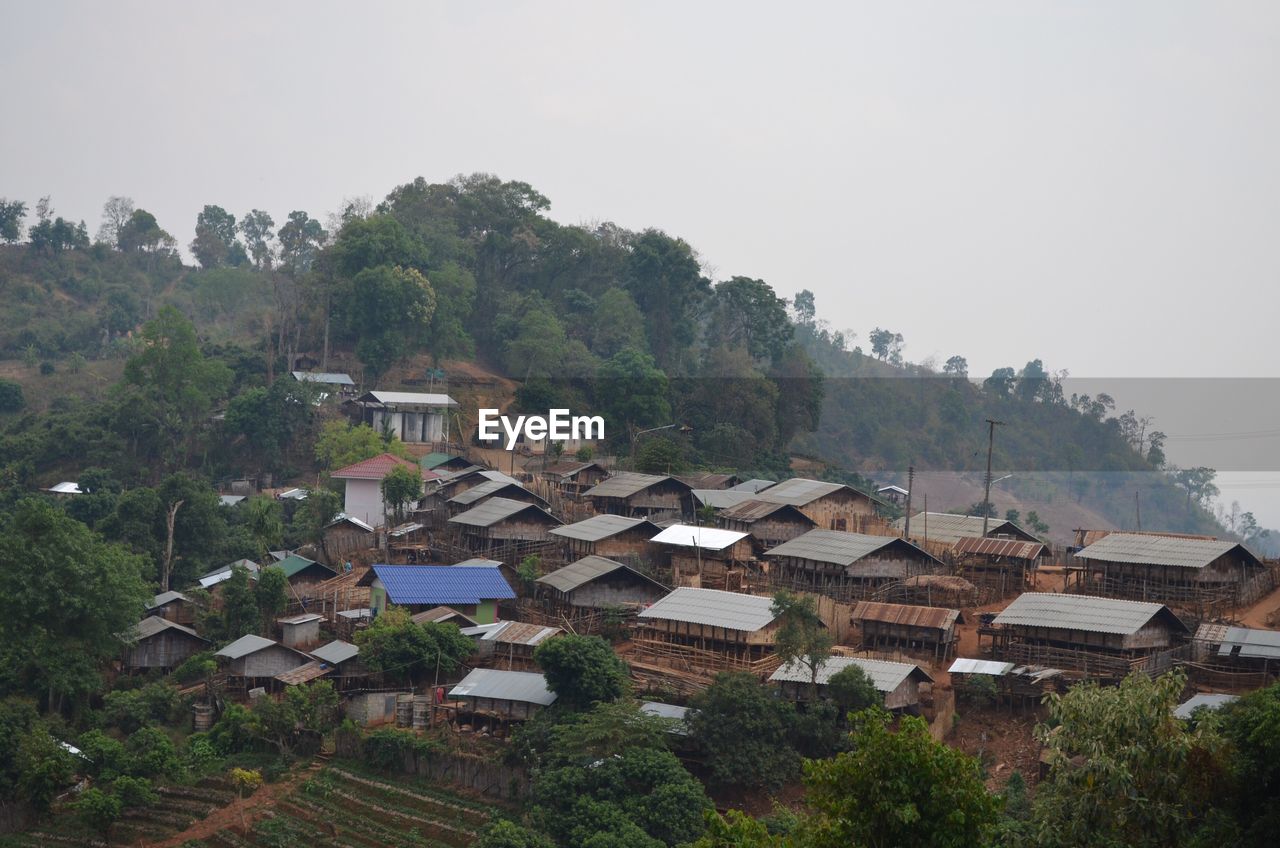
{"x": 911, "y": 478}
{"x": 986, "y": 501}
{"x": 1137, "y": 504}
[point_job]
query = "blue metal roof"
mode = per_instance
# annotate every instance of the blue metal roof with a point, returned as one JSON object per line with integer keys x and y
{"x": 442, "y": 584}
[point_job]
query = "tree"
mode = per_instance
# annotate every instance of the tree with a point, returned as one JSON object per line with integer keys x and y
{"x": 1032, "y": 381}
{"x": 12, "y": 213}
{"x": 632, "y": 391}
{"x": 886, "y": 345}
{"x": 744, "y": 732}
{"x": 801, "y": 637}
{"x": 658, "y": 455}
{"x": 69, "y": 598}
{"x": 582, "y": 670}
{"x": 142, "y": 234}
{"x": 301, "y": 238}
{"x": 806, "y": 309}
{"x": 256, "y": 227}
{"x": 616, "y": 324}
{"x": 956, "y": 366}
{"x": 271, "y": 593}
{"x": 215, "y": 238}
{"x": 410, "y": 652}
{"x": 1251, "y": 725}
{"x": 98, "y": 810}
{"x": 1123, "y": 769}
{"x": 747, "y": 313}
{"x": 1198, "y": 483}
{"x": 664, "y": 278}
{"x": 400, "y": 487}
{"x": 502, "y": 833}
{"x": 116, "y": 213}
{"x": 1001, "y": 382}
{"x": 240, "y": 614}
{"x": 341, "y": 444}
{"x": 34, "y": 767}
{"x": 388, "y": 311}
{"x": 853, "y": 691}
{"x": 898, "y": 788}
{"x": 1035, "y": 525}
{"x": 606, "y": 728}
{"x": 313, "y": 516}
{"x": 11, "y": 397}
{"x": 265, "y": 522}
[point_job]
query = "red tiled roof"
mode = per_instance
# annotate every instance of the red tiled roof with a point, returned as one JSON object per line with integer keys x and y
{"x": 375, "y": 468}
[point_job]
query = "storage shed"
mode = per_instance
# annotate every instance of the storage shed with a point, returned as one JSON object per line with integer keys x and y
{"x": 571, "y": 477}
{"x": 157, "y": 642}
{"x": 472, "y": 590}
{"x": 710, "y": 629}
{"x": 300, "y": 631}
{"x": 502, "y": 696}
{"x": 304, "y": 574}
{"x": 906, "y": 628}
{"x": 642, "y": 496}
{"x": 595, "y": 582}
{"x": 502, "y": 524}
{"x": 899, "y": 683}
{"x": 833, "y": 506}
{"x": 614, "y": 536}
{"x": 1096, "y": 637}
{"x": 174, "y": 606}
{"x": 845, "y": 566}
{"x": 253, "y": 661}
{"x": 770, "y": 524}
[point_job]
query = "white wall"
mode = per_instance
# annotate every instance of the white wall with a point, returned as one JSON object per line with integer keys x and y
{"x": 364, "y": 501}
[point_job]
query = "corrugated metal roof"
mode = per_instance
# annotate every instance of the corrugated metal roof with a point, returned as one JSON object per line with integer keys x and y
{"x": 1207, "y": 700}
{"x": 296, "y": 563}
{"x": 1143, "y": 549}
{"x": 374, "y": 468}
{"x": 709, "y": 480}
{"x": 343, "y": 518}
{"x": 599, "y": 527}
{"x": 336, "y": 652}
{"x": 218, "y": 575}
{"x": 304, "y": 673}
{"x": 1015, "y": 549}
{"x": 353, "y": 614}
{"x": 897, "y": 490}
{"x": 714, "y": 608}
{"x": 435, "y": 459}
{"x": 799, "y": 491}
{"x": 66, "y": 487}
{"x": 585, "y": 570}
{"x": 624, "y": 484}
{"x": 411, "y": 399}
{"x": 519, "y": 633}
{"x": 885, "y": 676}
{"x": 443, "y": 614}
{"x": 837, "y": 547}
{"x": 753, "y": 510}
{"x": 947, "y": 529}
{"x": 405, "y": 529}
{"x": 300, "y": 618}
{"x": 754, "y": 485}
{"x": 230, "y": 500}
{"x": 153, "y": 624}
{"x": 490, "y": 488}
{"x": 670, "y": 711}
{"x": 329, "y": 378}
{"x": 1250, "y": 642}
{"x": 721, "y": 498}
{"x": 706, "y": 538}
{"x": 995, "y": 669}
{"x": 480, "y": 562}
{"x": 497, "y": 509}
{"x": 905, "y": 614}
{"x": 1082, "y": 612}
{"x": 523, "y": 686}
{"x": 245, "y": 645}
{"x": 165, "y": 598}
{"x": 442, "y": 584}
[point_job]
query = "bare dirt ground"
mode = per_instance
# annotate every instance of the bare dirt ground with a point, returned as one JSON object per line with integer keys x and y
{"x": 1003, "y": 741}
{"x": 1263, "y": 613}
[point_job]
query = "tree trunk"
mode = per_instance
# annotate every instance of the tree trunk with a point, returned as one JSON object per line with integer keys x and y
{"x": 170, "y": 518}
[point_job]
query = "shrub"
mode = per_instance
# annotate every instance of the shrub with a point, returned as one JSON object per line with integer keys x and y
{"x": 135, "y": 791}
{"x": 388, "y": 750}
{"x": 11, "y": 397}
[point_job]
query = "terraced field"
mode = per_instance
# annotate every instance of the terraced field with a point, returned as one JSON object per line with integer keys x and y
{"x": 352, "y": 809}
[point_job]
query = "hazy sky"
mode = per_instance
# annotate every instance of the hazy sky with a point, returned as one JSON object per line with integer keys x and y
{"x": 1095, "y": 184}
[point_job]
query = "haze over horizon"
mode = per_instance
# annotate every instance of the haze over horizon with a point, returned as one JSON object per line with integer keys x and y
{"x": 1093, "y": 184}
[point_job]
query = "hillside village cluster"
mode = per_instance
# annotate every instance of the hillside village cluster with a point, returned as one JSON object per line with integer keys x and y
{"x": 681, "y": 573}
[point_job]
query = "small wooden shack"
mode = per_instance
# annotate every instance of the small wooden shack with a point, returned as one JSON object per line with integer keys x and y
{"x": 1204, "y": 575}
{"x": 443, "y": 615}
{"x": 997, "y": 567}
{"x": 343, "y": 662}
{"x": 614, "y": 536}
{"x": 899, "y": 683}
{"x": 703, "y": 556}
{"x": 175, "y": 607}
{"x": 300, "y": 631}
{"x": 502, "y": 524}
{"x": 158, "y": 643}
{"x": 938, "y": 532}
{"x": 465, "y": 500}
{"x": 899, "y": 627}
{"x": 496, "y": 697}
{"x": 595, "y": 582}
{"x": 472, "y": 590}
{"x": 642, "y": 496}
{"x": 509, "y": 644}
{"x": 304, "y": 574}
{"x": 1236, "y": 657}
{"x": 1095, "y": 637}
{"x": 708, "y": 629}
{"x": 770, "y": 524}
{"x": 345, "y": 535}
{"x": 832, "y": 506}
{"x": 846, "y": 566}
{"x": 570, "y": 477}
{"x": 252, "y": 661}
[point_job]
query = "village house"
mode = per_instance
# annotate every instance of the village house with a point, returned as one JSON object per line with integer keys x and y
{"x": 345, "y": 535}
{"x": 174, "y": 606}
{"x": 252, "y": 661}
{"x": 508, "y": 644}
{"x": 755, "y": 485}
{"x": 342, "y": 660}
{"x": 845, "y": 566}
{"x": 1236, "y": 657}
{"x": 897, "y": 682}
{"x": 613, "y": 536}
{"x": 159, "y": 643}
{"x": 895, "y": 495}
{"x": 451, "y": 484}
{"x": 719, "y": 498}
{"x": 363, "y": 486}
{"x": 412, "y": 417}
{"x": 832, "y": 506}
{"x": 473, "y": 591}
{"x": 708, "y": 629}
{"x": 502, "y": 524}
{"x": 770, "y": 524}
{"x": 1199, "y": 574}
{"x": 703, "y": 556}
{"x": 997, "y": 567}
{"x": 223, "y": 573}
{"x": 496, "y": 697}
{"x": 331, "y": 383}
{"x": 900, "y": 627}
{"x": 443, "y": 463}
{"x": 595, "y": 582}
{"x": 571, "y": 477}
{"x": 940, "y": 531}
{"x": 303, "y": 674}
{"x": 642, "y": 496}
{"x": 710, "y": 480}
{"x": 1095, "y": 637}
{"x": 475, "y": 495}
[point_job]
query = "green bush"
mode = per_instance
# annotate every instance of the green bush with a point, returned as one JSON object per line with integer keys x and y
{"x": 11, "y": 397}
{"x": 387, "y": 750}
{"x": 196, "y": 667}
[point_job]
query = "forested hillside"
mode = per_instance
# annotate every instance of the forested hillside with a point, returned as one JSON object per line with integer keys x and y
{"x": 599, "y": 318}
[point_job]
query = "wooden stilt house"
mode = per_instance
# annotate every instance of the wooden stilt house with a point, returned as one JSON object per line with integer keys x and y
{"x": 845, "y": 566}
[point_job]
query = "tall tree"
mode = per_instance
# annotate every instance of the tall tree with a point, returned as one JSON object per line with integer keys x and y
{"x": 257, "y": 229}
{"x": 12, "y": 213}
{"x": 401, "y": 487}
{"x": 582, "y": 670}
{"x": 301, "y": 238}
{"x": 142, "y": 234}
{"x": 664, "y": 277}
{"x": 801, "y": 638}
{"x": 116, "y": 212}
{"x": 747, "y": 313}
{"x": 388, "y": 310}
{"x": 215, "y": 237}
